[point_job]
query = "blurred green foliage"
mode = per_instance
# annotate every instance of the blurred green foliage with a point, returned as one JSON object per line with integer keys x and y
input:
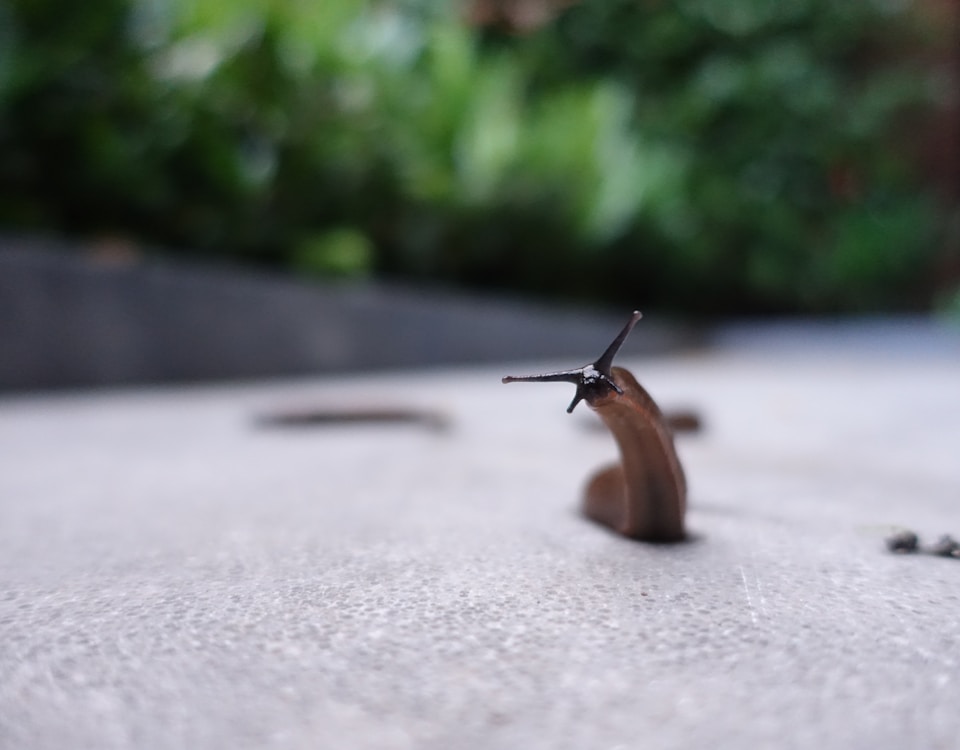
{"x": 740, "y": 156}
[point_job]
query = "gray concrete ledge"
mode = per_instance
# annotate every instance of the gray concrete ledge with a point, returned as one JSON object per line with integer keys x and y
{"x": 70, "y": 320}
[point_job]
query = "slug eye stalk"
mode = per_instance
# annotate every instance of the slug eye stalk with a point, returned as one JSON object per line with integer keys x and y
{"x": 593, "y": 381}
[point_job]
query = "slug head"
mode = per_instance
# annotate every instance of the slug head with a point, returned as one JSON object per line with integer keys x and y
{"x": 593, "y": 381}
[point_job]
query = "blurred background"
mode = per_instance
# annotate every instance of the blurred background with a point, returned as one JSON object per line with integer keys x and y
{"x": 707, "y": 160}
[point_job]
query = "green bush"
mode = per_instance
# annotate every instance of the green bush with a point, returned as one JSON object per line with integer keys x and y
{"x": 723, "y": 157}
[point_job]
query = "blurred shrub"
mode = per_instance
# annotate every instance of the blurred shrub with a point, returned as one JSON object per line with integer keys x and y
{"x": 736, "y": 156}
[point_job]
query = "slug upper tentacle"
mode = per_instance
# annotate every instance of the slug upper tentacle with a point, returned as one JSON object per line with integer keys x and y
{"x": 643, "y": 497}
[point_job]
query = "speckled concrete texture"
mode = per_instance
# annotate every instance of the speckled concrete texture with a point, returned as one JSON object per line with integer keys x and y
{"x": 173, "y": 575}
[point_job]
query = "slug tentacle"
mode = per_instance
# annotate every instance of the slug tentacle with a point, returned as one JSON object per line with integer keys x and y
{"x": 644, "y": 497}
{"x": 593, "y": 381}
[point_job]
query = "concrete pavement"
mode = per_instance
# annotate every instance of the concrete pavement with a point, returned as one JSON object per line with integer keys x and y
{"x": 174, "y": 575}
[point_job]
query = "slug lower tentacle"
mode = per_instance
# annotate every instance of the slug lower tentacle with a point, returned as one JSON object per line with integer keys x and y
{"x": 643, "y": 497}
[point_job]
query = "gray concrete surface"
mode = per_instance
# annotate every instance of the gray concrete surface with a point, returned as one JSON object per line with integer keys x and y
{"x": 172, "y": 576}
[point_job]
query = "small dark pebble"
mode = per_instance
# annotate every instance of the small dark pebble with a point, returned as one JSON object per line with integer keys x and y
{"x": 902, "y": 542}
{"x": 946, "y": 546}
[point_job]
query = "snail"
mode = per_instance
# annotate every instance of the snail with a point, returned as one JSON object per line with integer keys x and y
{"x": 645, "y": 496}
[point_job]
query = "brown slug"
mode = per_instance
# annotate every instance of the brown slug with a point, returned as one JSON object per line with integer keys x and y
{"x": 645, "y": 496}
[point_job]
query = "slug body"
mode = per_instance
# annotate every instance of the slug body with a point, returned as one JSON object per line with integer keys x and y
{"x": 644, "y": 496}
